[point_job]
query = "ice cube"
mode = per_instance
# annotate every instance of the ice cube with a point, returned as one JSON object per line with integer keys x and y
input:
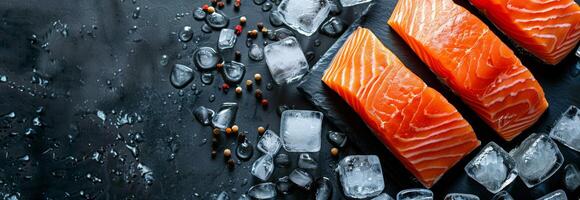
{"x": 300, "y": 130}
{"x": 223, "y": 196}
{"x": 361, "y": 176}
{"x": 415, "y": 194}
{"x": 537, "y": 158}
{"x": 567, "y": 129}
{"x": 460, "y": 196}
{"x": 226, "y": 43}
{"x": 263, "y": 167}
{"x": 383, "y": 196}
{"x": 492, "y": 167}
{"x": 301, "y": 178}
{"x": 269, "y": 143}
{"x": 348, "y": 3}
{"x": 263, "y": 191}
{"x": 282, "y": 160}
{"x": 555, "y": 195}
{"x": 225, "y": 116}
{"x": 305, "y": 161}
{"x": 572, "y": 177}
{"x": 304, "y": 16}
{"x": 234, "y": 71}
{"x": 503, "y": 195}
{"x": 323, "y": 189}
{"x": 285, "y": 60}
{"x": 181, "y": 75}
{"x": 337, "y": 139}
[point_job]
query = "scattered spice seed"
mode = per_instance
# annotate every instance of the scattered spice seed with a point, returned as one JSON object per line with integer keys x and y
{"x": 258, "y": 93}
{"x": 227, "y": 153}
{"x": 213, "y": 154}
{"x": 213, "y": 2}
{"x": 260, "y": 25}
{"x": 239, "y": 90}
{"x": 235, "y": 129}
{"x": 238, "y": 55}
{"x": 249, "y": 83}
{"x": 205, "y": 7}
{"x": 237, "y": 4}
{"x": 264, "y": 102}
{"x": 220, "y": 4}
{"x": 265, "y": 31}
{"x": 243, "y": 20}
{"x": 214, "y": 143}
{"x": 258, "y": 77}
{"x": 231, "y": 163}
{"x": 261, "y": 130}
{"x": 228, "y": 131}
{"x": 242, "y": 136}
{"x": 253, "y": 33}
{"x": 334, "y": 151}
{"x": 225, "y": 86}
{"x": 210, "y": 9}
{"x": 219, "y": 65}
{"x": 216, "y": 132}
{"x": 238, "y": 29}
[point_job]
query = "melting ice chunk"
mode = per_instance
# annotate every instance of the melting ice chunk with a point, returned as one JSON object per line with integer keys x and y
{"x": 269, "y": 143}
{"x": 300, "y": 130}
{"x": 460, "y": 196}
{"x": 348, "y": 3}
{"x": 383, "y": 196}
{"x": 337, "y": 139}
{"x": 301, "y": 178}
{"x": 205, "y": 58}
{"x": 492, "y": 167}
{"x": 181, "y": 75}
{"x": 225, "y": 116}
{"x": 361, "y": 176}
{"x": 285, "y": 60}
{"x": 572, "y": 177}
{"x": 226, "y": 43}
{"x": 203, "y": 115}
{"x": 537, "y": 158}
{"x": 555, "y": 195}
{"x": 304, "y": 16}
{"x": 305, "y": 161}
{"x": 263, "y": 167}
{"x": 415, "y": 194}
{"x": 263, "y": 191}
{"x": 567, "y": 129}
{"x": 323, "y": 189}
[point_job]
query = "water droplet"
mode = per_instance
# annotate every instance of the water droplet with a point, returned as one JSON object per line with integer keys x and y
{"x": 36, "y": 121}
{"x": 280, "y": 34}
{"x": 206, "y": 28}
{"x": 9, "y": 115}
{"x": 259, "y": 2}
{"x": 256, "y": 53}
{"x": 185, "y": 34}
{"x": 181, "y": 75}
{"x": 234, "y": 71}
{"x": 317, "y": 42}
{"x": 199, "y": 14}
{"x": 205, "y": 58}
{"x": 101, "y": 115}
{"x": 207, "y": 78}
{"x": 276, "y": 19}
{"x": 3, "y": 78}
{"x": 211, "y": 98}
{"x": 136, "y": 12}
{"x": 164, "y": 60}
{"x": 244, "y": 150}
{"x": 249, "y": 41}
{"x": 146, "y": 173}
{"x": 217, "y": 20}
{"x": 333, "y": 27}
{"x": 267, "y": 7}
{"x": 269, "y": 86}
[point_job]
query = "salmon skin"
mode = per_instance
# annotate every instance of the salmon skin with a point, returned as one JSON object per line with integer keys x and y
{"x": 468, "y": 57}
{"x": 549, "y": 29}
{"x": 422, "y": 129}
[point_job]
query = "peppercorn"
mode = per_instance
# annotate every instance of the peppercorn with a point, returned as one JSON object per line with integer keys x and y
{"x": 252, "y": 34}
{"x": 249, "y": 84}
{"x": 258, "y": 77}
{"x": 210, "y": 9}
{"x": 225, "y": 86}
{"x": 227, "y": 153}
{"x": 214, "y": 143}
{"x": 228, "y": 130}
{"x": 334, "y": 151}
{"x": 239, "y": 90}
{"x": 242, "y": 136}
{"x": 238, "y": 55}
{"x": 260, "y": 25}
{"x": 238, "y": 29}
{"x": 258, "y": 93}
{"x": 213, "y": 2}
{"x": 264, "y": 31}
{"x": 205, "y": 7}
{"x": 231, "y": 163}
{"x": 243, "y": 20}
{"x": 237, "y": 4}
{"x": 219, "y": 65}
{"x": 213, "y": 154}
{"x": 261, "y": 130}
{"x": 216, "y": 132}
{"x": 264, "y": 102}
{"x": 220, "y": 4}
{"x": 235, "y": 129}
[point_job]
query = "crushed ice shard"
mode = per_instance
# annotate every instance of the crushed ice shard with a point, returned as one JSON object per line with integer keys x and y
{"x": 263, "y": 191}
{"x": 301, "y": 178}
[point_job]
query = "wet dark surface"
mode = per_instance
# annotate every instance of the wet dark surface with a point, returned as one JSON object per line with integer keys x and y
{"x": 110, "y": 61}
{"x": 559, "y": 83}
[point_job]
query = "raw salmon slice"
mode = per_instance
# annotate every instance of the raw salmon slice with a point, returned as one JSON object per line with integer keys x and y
{"x": 422, "y": 129}
{"x": 549, "y": 29}
{"x": 473, "y": 62}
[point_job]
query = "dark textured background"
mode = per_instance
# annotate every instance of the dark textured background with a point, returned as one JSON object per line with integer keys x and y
{"x": 101, "y": 49}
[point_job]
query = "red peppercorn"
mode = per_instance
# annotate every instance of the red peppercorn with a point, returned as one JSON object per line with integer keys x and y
{"x": 264, "y": 102}
{"x": 220, "y": 4}
{"x": 238, "y": 29}
{"x": 225, "y": 86}
{"x": 237, "y": 4}
{"x": 205, "y": 7}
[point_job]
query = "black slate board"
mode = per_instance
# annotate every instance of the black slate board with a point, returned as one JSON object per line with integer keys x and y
{"x": 559, "y": 84}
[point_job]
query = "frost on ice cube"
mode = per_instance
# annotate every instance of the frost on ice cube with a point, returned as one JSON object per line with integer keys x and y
{"x": 415, "y": 194}
{"x": 555, "y": 195}
{"x": 492, "y": 167}
{"x": 460, "y": 196}
{"x": 226, "y": 43}
{"x": 348, "y": 3}
{"x": 537, "y": 158}
{"x": 361, "y": 176}
{"x": 285, "y": 60}
{"x": 263, "y": 167}
{"x": 567, "y": 129}
{"x": 300, "y": 130}
{"x": 572, "y": 177}
{"x": 383, "y": 196}
{"x": 269, "y": 143}
{"x": 304, "y": 16}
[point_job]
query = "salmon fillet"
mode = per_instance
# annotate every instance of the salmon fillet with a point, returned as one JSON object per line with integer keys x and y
{"x": 549, "y": 29}
{"x": 473, "y": 62}
{"x": 422, "y": 129}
